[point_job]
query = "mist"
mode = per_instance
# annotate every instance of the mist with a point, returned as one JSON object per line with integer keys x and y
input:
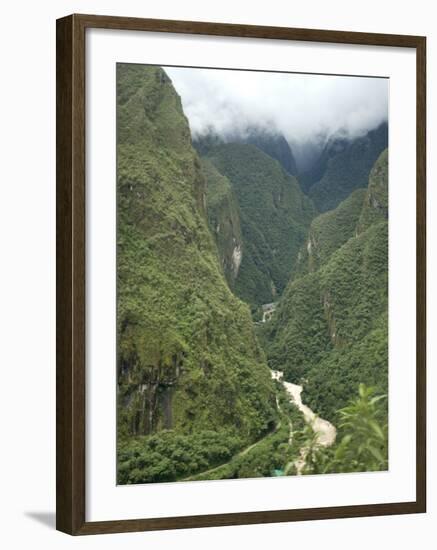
{"x": 306, "y": 109}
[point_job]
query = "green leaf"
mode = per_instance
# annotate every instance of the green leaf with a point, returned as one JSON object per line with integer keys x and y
{"x": 376, "y": 453}
{"x": 377, "y": 398}
{"x": 377, "y": 429}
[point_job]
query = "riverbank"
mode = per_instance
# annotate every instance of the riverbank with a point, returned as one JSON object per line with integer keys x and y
{"x": 325, "y": 432}
{"x": 275, "y": 452}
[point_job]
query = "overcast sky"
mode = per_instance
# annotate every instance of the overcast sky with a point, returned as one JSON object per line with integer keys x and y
{"x": 302, "y": 107}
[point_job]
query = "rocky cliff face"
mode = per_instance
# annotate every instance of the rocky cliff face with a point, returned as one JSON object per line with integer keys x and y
{"x": 224, "y": 221}
{"x": 274, "y": 217}
{"x": 188, "y": 359}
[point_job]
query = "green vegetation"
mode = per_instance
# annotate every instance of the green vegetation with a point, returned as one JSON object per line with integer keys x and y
{"x": 278, "y": 450}
{"x": 188, "y": 359}
{"x": 362, "y": 439}
{"x": 329, "y": 231}
{"x": 269, "y": 454}
{"x": 330, "y": 329}
{"x": 224, "y": 220}
{"x": 375, "y": 207}
{"x": 337, "y": 375}
{"x": 271, "y": 143}
{"x": 169, "y": 456}
{"x": 348, "y": 169}
{"x": 196, "y": 237}
{"x": 274, "y": 145}
{"x": 274, "y": 217}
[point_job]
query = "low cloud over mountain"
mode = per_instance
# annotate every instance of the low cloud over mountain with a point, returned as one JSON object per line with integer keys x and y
{"x": 306, "y": 109}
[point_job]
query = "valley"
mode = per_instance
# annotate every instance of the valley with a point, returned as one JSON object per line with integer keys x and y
{"x": 252, "y": 299}
{"x": 295, "y": 457}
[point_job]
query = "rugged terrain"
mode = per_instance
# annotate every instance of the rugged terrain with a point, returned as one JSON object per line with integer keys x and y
{"x": 209, "y": 236}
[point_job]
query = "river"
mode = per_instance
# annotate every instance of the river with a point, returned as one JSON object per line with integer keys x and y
{"x": 324, "y": 430}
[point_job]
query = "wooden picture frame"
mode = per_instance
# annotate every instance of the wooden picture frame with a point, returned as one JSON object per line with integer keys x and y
{"x": 71, "y": 248}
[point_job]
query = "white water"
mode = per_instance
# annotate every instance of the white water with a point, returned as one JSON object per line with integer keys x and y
{"x": 324, "y": 430}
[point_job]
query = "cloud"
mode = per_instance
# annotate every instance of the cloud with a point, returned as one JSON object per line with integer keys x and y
{"x": 305, "y": 108}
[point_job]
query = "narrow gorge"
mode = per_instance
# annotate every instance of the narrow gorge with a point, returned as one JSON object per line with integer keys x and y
{"x": 251, "y": 298}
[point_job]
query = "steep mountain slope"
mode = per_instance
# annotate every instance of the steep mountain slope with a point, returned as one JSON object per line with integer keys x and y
{"x": 274, "y": 217}
{"x": 224, "y": 220}
{"x": 330, "y": 328}
{"x": 316, "y": 169}
{"x": 275, "y": 145}
{"x": 272, "y": 143}
{"x": 376, "y": 201}
{"x": 188, "y": 359}
{"x": 345, "y": 166}
{"x": 329, "y": 231}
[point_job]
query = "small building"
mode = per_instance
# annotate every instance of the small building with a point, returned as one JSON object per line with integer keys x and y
{"x": 268, "y": 310}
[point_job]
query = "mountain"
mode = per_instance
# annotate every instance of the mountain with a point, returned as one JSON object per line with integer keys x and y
{"x": 329, "y": 231}
{"x": 344, "y": 165}
{"x": 330, "y": 328}
{"x": 275, "y": 145}
{"x": 224, "y": 220}
{"x": 376, "y": 200}
{"x": 315, "y": 170}
{"x": 274, "y": 218}
{"x": 193, "y": 383}
{"x": 272, "y": 143}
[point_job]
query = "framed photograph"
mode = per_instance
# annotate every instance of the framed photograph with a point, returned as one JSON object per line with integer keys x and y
{"x": 240, "y": 274}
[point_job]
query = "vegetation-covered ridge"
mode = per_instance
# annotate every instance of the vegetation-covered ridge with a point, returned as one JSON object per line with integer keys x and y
{"x": 195, "y": 237}
{"x": 362, "y": 438}
{"x": 274, "y": 218}
{"x": 330, "y": 231}
{"x": 345, "y": 166}
{"x": 224, "y": 220}
{"x": 188, "y": 359}
{"x": 330, "y": 329}
{"x": 375, "y": 206}
{"x": 271, "y": 142}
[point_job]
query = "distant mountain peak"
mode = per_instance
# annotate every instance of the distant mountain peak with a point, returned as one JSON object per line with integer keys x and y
{"x": 269, "y": 140}
{"x": 344, "y": 165}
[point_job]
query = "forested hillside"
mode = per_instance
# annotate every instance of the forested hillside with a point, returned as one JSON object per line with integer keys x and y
{"x": 210, "y": 237}
{"x": 188, "y": 359}
{"x": 275, "y": 145}
{"x": 330, "y": 329}
{"x": 274, "y": 218}
{"x": 329, "y": 231}
{"x": 375, "y": 208}
{"x": 272, "y": 143}
{"x": 343, "y": 167}
{"x": 224, "y": 220}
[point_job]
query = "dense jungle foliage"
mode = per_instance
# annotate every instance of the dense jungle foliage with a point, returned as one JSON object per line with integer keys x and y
{"x": 188, "y": 359}
{"x": 224, "y": 220}
{"x": 274, "y": 218}
{"x": 202, "y": 243}
{"x": 348, "y": 169}
{"x": 362, "y": 438}
{"x": 328, "y": 232}
{"x": 330, "y": 329}
{"x": 272, "y": 143}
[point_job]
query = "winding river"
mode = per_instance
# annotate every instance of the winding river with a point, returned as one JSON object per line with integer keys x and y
{"x": 324, "y": 430}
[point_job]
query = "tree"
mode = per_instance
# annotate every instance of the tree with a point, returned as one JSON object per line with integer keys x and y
{"x": 363, "y": 438}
